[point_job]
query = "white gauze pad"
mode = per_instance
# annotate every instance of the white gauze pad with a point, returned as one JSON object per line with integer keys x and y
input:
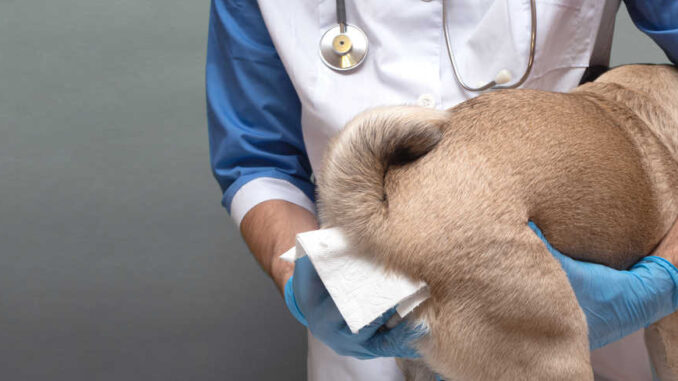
{"x": 361, "y": 290}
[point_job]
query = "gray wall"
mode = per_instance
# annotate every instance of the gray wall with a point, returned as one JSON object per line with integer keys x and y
{"x": 116, "y": 260}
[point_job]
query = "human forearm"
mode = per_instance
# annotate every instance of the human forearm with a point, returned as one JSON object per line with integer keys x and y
{"x": 617, "y": 303}
{"x": 269, "y": 230}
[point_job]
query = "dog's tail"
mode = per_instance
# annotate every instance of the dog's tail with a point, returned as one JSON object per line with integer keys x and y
{"x": 351, "y": 186}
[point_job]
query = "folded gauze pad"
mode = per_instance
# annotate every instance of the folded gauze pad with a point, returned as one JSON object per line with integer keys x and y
{"x": 361, "y": 290}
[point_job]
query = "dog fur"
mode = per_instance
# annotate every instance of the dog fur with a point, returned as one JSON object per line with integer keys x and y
{"x": 445, "y": 197}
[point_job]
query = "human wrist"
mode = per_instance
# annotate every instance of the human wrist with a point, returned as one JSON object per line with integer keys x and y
{"x": 667, "y": 271}
{"x": 269, "y": 230}
{"x": 281, "y": 271}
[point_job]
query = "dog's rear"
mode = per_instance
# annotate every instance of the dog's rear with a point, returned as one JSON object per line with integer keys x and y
{"x": 652, "y": 92}
{"x": 445, "y": 196}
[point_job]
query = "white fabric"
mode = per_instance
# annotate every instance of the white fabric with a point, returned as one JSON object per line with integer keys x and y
{"x": 361, "y": 290}
{"x": 263, "y": 189}
{"x": 407, "y": 58}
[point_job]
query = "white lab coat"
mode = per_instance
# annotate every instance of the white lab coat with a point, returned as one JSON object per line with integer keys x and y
{"x": 407, "y": 63}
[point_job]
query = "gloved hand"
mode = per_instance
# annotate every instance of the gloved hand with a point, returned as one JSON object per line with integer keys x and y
{"x": 308, "y": 300}
{"x": 618, "y": 303}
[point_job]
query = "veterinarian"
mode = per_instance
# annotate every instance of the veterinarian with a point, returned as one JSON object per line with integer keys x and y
{"x": 273, "y": 104}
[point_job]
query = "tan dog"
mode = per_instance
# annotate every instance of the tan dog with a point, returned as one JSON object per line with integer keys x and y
{"x": 445, "y": 197}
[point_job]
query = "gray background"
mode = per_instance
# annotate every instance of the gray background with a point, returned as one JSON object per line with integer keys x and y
{"x": 116, "y": 260}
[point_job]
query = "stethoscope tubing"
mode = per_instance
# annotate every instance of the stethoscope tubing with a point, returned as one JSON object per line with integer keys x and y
{"x": 341, "y": 21}
{"x": 493, "y": 84}
{"x": 341, "y": 15}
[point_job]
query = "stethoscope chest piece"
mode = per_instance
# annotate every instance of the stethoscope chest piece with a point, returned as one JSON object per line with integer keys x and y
{"x": 343, "y": 50}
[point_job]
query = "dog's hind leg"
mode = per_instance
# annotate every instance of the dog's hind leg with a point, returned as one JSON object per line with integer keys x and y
{"x": 415, "y": 370}
{"x": 661, "y": 339}
{"x": 502, "y": 308}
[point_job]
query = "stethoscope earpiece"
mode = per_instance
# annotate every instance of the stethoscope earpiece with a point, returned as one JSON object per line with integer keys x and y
{"x": 504, "y": 76}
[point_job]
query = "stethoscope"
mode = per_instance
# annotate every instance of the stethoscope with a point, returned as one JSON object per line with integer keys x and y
{"x": 343, "y": 47}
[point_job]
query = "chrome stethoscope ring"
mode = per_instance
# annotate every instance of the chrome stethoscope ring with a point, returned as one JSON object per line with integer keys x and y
{"x": 343, "y": 47}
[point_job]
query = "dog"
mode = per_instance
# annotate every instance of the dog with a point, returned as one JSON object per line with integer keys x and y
{"x": 444, "y": 196}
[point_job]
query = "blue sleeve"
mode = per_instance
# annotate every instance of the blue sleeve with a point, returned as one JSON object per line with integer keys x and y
{"x": 659, "y": 20}
{"x": 253, "y": 111}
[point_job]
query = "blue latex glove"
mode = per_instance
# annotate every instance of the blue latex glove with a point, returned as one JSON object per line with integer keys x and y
{"x": 308, "y": 300}
{"x": 618, "y": 303}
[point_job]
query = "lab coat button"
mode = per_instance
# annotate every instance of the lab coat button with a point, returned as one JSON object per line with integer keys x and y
{"x": 426, "y": 100}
